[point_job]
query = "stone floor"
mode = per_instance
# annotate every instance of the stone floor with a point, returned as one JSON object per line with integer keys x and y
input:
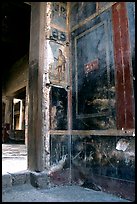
{"x": 27, "y": 193}
{"x": 14, "y": 159}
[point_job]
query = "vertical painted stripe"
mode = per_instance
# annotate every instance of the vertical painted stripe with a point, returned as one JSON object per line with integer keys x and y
{"x": 127, "y": 67}
{"x": 120, "y": 105}
{"x": 123, "y": 67}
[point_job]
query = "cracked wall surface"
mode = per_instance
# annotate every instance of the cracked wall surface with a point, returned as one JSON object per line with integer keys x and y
{"x": 99, "y": 160}
{"x": 76, "y": 97}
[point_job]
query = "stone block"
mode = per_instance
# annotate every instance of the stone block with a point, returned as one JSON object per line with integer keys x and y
{"x": 39, "y": 180}
{"x": 20, "y": 178}
{"x": 6, "y": 182}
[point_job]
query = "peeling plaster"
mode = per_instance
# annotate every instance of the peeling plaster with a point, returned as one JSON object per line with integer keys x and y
{"x": 122, "y": 144}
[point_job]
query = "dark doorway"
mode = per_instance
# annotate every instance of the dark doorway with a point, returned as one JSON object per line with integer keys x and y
{"x": 15, "y": 37}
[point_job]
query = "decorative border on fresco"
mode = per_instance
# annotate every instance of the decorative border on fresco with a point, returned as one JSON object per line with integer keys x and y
{"x": 76, "y": 68}
{"x": 59, "y": 12}
{"x": 110, "y": 132}
{"x": 99, "y": 11}
{"x": 53, "y": 25}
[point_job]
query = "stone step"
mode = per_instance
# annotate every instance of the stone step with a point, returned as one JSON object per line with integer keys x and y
{"x": 38, "y": 180}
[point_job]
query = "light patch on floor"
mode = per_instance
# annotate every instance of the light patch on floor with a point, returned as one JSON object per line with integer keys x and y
{"x": 14, "y": 158}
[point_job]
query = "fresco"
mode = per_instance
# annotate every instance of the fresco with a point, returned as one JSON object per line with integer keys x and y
{"x": 91, "y": 63}
{"x": 103, "y": 4}
{"x": 59, "y": 160}
{"x": 59, "y": 14}
{"x": 83, "y": 160}
{"x": 123, "y": 67}
{"x": 57, "y": 67}
{"x": 93, "y": 75}
{"x": 57, "y": 48}
{"x": 83, "y": 11}
{"x": 100, "y": 162}
{"x": 131, "y": 20}
{"x": 58, "y": 110}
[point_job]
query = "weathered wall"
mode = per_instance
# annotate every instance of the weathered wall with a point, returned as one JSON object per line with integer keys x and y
{"x": 99, "y": 151}
{"x": 93, "y": 74}
{"x": 91, "y": 151}
{"x": 35, "y": 87}
{"x": 131, "y": 23}
{"x": 17, "y": 77}
{"x": 99, "y": 102}
{"x": 59, "y": 81}
{"x": 87, "y": 137}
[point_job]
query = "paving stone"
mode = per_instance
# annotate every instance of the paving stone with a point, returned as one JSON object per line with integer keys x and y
{"x": 6, "y": 182}
{"x": 39, "y": 180}
{"x": 20, "y": 178}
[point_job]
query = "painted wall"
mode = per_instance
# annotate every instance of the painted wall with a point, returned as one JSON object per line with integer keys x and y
{"x": 97, "y": 99}
{"x": 92, "y": 154}
{"x": 131, "y": 22}
{"x": 58, "y": 62}
{"x": 93, "y": 75}
{"x": 97, "y": 153}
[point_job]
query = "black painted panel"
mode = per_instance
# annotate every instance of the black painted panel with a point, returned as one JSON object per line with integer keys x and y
{"x": 58, "y": 110}
{"x": 93, "y": 75}
{"x": 104, "y": 157}
{"x": 84, "y": 158}
{"x": 60, "y": 159}
{"x": 59, "y": 148}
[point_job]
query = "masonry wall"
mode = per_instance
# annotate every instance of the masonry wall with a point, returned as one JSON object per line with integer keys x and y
{"x": 17, "y": 77}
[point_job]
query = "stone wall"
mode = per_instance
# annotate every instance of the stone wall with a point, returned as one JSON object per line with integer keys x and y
{"x": 17, "y": 77}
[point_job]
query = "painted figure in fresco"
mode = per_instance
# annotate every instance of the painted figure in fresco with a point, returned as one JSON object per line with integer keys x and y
{"x": 61, "y": 61}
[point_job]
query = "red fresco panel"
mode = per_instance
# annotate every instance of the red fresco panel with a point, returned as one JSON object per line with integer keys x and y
{"x": 122, "y": 64}
{"x": 119, "y": 70}
{"x": 127, "y": 69}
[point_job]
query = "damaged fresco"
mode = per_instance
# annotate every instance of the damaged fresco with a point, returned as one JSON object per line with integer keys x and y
{"x": 101, "y": 162}
{"x": 131, "y": 22}
{"x": 58, "y": 66}
{"x": 109, "y": 161}
{"x": 59, "y": 172}
{"x": 83, "y": 11}
{"x": 80, "y": 94}
{"x": 96, "y": 159}
{"x": 87, "y": 160}
{"x": 59, "y": 14}
{"x": 58, "y": 110}
{"x": 93, "y": 75}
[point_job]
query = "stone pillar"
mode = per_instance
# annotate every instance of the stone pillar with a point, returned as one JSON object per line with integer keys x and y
{"x": 26, "y": 117}
{"x": 23, "y": 114}
{"x": 9, "y": 110}
{"x": 37, "y": 77}
{"x": 20, "y": 116}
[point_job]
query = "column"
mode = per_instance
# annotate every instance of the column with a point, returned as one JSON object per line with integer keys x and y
{"x": 36, "y": 109}
{"x": 20, "y": 117}
{"x": 8, "y": 110}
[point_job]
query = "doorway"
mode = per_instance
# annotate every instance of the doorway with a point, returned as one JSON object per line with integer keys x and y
{"x": 15, "y": 48}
